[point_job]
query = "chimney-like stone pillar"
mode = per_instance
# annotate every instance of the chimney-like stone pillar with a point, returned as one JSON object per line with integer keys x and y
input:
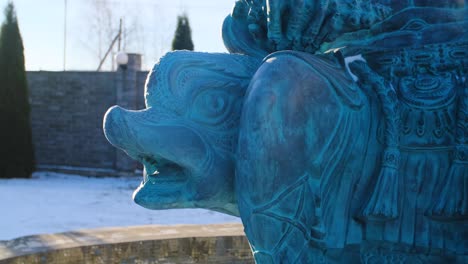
{"x": 126, "y": 97}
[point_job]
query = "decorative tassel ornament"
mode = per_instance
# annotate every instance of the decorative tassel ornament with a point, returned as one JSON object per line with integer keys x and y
{"x": 383, "y": 204}
{"x": 384, "y": 201}
{"x": 452, "y": 202}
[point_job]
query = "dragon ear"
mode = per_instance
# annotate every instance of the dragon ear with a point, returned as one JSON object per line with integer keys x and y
{"x": 238, "y": 39}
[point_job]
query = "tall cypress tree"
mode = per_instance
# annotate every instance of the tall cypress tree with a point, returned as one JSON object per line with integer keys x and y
{"x": 183, "y": 35}
{"x": 16, "y": 148}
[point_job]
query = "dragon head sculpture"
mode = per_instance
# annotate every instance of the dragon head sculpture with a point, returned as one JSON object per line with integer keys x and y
{"x": 187, "y": 135}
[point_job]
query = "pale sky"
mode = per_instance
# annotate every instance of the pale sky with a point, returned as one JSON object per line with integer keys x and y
{"x": 152, "y": 23}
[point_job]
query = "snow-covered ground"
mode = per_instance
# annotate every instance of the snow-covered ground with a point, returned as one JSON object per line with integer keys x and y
{"x": 52, "y": 202}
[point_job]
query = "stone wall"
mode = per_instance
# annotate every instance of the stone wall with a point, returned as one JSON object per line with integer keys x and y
{"x": 67, "y": 109}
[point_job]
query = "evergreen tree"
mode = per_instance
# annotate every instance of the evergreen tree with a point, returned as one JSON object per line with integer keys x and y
{"x": 16, "y": 149}
{"x": 183, "y": 35}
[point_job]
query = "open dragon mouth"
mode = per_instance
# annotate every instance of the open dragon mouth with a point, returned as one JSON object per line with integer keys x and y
{"x": 163, "y": 170}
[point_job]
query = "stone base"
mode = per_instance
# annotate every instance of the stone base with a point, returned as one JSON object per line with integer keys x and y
{"x": 223, "y": 243}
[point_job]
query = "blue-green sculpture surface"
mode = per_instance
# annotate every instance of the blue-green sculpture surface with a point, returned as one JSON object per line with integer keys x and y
{"x": 336, "y": 130}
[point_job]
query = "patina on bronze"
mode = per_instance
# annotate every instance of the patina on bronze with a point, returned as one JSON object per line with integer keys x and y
{"x": 336, "y": 130}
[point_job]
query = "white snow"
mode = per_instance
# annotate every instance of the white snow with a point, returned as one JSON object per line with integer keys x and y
{"x": 52, "y": 203}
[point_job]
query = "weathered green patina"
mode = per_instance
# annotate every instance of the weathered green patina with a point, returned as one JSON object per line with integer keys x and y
{"x": 339, "y": 136}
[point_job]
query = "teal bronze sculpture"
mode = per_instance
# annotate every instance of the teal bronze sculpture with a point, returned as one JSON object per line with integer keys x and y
{"x": 336, "y": 130}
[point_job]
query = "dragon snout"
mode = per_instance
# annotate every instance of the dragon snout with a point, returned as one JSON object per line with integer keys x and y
{"x": 115, "y": 126}
{"x": 151, "y": 138}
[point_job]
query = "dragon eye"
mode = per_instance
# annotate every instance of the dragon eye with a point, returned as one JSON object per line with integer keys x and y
{"x": 215, "y": 103}
{"x": 414, "y": 25}
{"x": 211, "y": 107}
